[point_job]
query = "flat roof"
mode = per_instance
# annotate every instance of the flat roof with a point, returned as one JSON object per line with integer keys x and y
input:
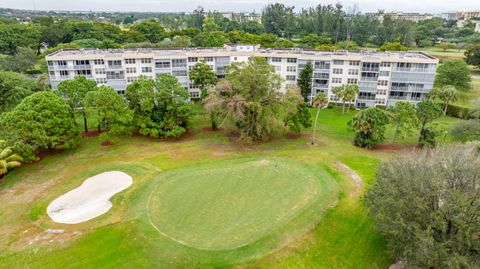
{"x": 73, "y": 54}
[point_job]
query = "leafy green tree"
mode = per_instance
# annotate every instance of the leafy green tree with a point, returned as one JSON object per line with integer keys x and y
{"x": 427, "y": 111}
{"x": 8, "y": 159}
{"x": 426, "y": 204}
{"x": 396, "y": 46}
{"x": 210, "y": 39}
{"x": 446, "y": 46}
{"x": 346, "y": 93}
{"x": 23, "y": 60}
{"x": 41, "y": 121}
{"x": 74, "y": 91}
{"x": 110, "y": 108}
{"x": 320, "y": 101}
{"x": 161, "y": 107}
{"x": 16, "y": 35}
{"x": 305, "y": 81}
{"x": 404, "y": 117}
{"x": 153, "y": 31}
{"x": 249, "y": 97}
{"x": 277, "y": 18}
{"x": 202, "y": 76}
{"x": 454, "y": 73}
{"x": 13, "y": 88}
{"x": 446, "y": 94}
{"x": 370, "y": 125}
{"x": 472, "y": 55}
{"x": 97, "y": 44}
{"x": 296, "y": 111}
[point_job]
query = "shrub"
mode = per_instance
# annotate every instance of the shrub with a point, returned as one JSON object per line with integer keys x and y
{"x": 466, "y": 131}
{"x": 458, "y": 111}
{"x": 428, "y": 138}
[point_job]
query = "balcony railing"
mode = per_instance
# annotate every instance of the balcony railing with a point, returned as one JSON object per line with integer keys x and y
{"x": 416, "y": 70}
{"x": 83, "y": 66}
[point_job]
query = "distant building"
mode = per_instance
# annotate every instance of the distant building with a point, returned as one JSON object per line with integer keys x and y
{"x": 415, "y": 17}
{"x": 457, "y": 15}
{"x": 384, "y": 78}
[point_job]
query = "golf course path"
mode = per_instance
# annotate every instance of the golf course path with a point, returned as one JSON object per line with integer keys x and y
{"x": 357, "y": 180}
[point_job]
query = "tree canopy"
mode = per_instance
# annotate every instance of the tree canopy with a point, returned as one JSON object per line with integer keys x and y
{"x": 160, "y": 106}
{"x": 41, "y": 121}
{"x": 426, "y": 203}
{"x": 370, "y": 125}
{"x": 13, "y": 88}
{"x": 454, "y": 73}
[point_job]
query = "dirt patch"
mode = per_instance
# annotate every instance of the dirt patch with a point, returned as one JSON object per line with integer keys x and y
{"x": 91, "y": 133}
{"x": 47, "y": 152}
{"x": 394, "y": 147}
{"x": 293, "y": 135}
{"x": 210, "y": 129}
{"x": 356, "y": 179}
{"x": 107, "y": 143}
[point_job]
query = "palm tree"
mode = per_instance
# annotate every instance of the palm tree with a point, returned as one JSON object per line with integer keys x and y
{"x": 8, "y": 160}
{"x": 42, "y": 82}
{"x": 446, "y": 94}
{"x": 350, "y": 94}
{"x": 320, "y": 101}
{"x": 340, "y": 92}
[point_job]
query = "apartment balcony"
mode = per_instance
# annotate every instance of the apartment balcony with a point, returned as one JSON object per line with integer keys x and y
{"x": 82, "y": 67}
{"x": 413, "y": 70}
{"x": 371, "y": 69}
{"x": 408, "y": 89}
{"x": 398, "y": 97}
{"x": 322, "y": 86}
{"x": 114, "y": 67}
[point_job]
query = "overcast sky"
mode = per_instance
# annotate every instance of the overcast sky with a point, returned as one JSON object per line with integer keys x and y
{"x": 430, "y": 6}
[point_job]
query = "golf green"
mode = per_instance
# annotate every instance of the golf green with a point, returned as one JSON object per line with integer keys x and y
{"x": 231, "y": 204}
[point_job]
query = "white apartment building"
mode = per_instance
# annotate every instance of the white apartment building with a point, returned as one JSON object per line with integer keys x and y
{"x": 383, "y": 77}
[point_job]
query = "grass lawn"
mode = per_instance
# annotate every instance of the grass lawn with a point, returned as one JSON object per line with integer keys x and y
{"x": 203, "y": 201}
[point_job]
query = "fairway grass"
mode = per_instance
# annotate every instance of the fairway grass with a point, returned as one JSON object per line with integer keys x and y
{"x": 228, "y": 205}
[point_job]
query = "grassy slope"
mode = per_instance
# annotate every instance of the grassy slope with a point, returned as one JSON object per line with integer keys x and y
{"x": 343, "y": 238}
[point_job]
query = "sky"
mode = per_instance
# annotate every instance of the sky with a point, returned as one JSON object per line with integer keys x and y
{"x": 423, "y": 6}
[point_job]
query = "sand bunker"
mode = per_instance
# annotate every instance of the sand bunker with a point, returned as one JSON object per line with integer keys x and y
{"x": 89, "y": 200}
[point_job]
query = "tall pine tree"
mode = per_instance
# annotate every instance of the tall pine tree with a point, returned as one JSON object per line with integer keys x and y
{"x": 305, "y": 80}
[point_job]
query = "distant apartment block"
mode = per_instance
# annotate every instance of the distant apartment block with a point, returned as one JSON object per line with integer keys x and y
{"x": 383, "y": 77}
{"x": 464, "y": 15}
{"x": 415, "y": 17}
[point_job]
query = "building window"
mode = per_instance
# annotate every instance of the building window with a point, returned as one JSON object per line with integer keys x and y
{"x": 208, "y": 59}
{"x": 129, "y": 61}
{"x": 291, "y": 78}
{"x": 63, "y": 73}
{"x": 278, "y": 68}
{"x": 146, "y": 60}
{"x": 146, "y": 69}
{"x": 83, "y": 72}
{"x": 384, "y": 73}
{"x": 383, "y": 64}
{"x": 194, "y": 94}
{"x": 192, "y": 59}
{"x": 354, "y": 63}
{"x": 291, "y": 60}
{"x": 62, "y": 63}
{"x": 162, "y": 64}
{"x": 100, "y": 71}
{"x": 337, "y": 71}
{"x": 115, "y": 64}
{"x": 131, "y": 70}
{"x": 352, "y": 81}
{"x": 82, "y": 62}
{"x": 132, "y": 79}
{"x": 180, "y": 73}
{"x": 381, "y": 91}
{"x": 50, "y": 63}
{"x": 337, "y": 62}
{"x": 52, "y": 74}
{"x": 98, "y": 62}
{"x": 276, "y": 60}
{"x": 115, "y": 75}
{"x": 383, "y": 83}
{"x": 353, "y": 72}
{"x": 179, "y": 63}
{"x": 101, "y": 80}
{"x": 291, "y": 69}
{"x": 337, "y": 80}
